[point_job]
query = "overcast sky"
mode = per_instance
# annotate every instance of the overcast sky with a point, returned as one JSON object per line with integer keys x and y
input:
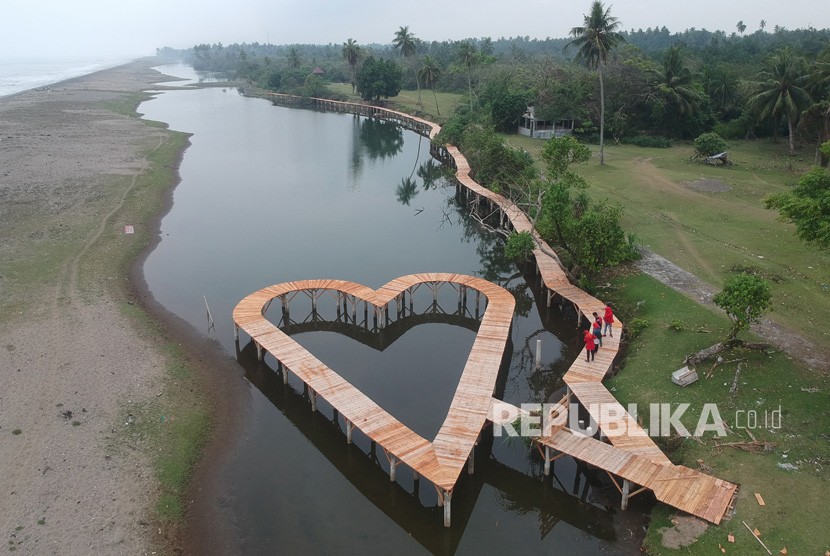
{"x": 46, "y": 28}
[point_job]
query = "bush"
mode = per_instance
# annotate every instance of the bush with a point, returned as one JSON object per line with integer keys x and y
{"x": 708, "y": 144}
{"x": 677, "y": 324}
{"x": 519, "y": 246}
{"x": 734, "y": 129}
{"x": 651, "y": 141}
{"x": 635, "y": 327}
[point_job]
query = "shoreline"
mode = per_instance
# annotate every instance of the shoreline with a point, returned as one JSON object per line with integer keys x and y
{"x": 76, "y": 444}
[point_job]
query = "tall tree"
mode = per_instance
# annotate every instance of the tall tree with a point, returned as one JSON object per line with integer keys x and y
{"x": 430, "y": 72}
{"x": 675, "y": 86}
{"x": 779, "y": 90}
{"x": 468, "y": 55}
{"x": 351, "y": 52}
{"x": 740, "y": 27}
{"x": 762, "y": 25}
{"x": 293, "y": 58}
{"x": 595, "y": 39}
{"x": 407, "y": 45}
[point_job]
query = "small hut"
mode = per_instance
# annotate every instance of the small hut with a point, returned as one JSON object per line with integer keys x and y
{"x": 318, "y": 71}
{"x": 535, "y": 128}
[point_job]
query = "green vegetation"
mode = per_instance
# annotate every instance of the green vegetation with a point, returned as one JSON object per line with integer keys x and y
{"x": 744, "y": 298}
{"x": 519, "y": 246}
{"x": 791, "y": 476}
{"x": 595, "y": 40}
{"x": 378, "y": 78}
{"x": 721, "y": 225}
{"x": 709, "y": 144}
{"x": 807, "y": 206}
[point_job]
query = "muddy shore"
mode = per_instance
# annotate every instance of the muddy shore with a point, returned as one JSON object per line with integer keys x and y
{"x": 84, "y": 348}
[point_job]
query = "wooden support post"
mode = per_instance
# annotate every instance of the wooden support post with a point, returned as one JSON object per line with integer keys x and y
{"x": 547, "y": 461}
{"x": 260, "y": 352}
{"x": 393, "y": 464}
{"x": 416, "y": 476}
{"x": 349, "y": 430}
{"x": 447, "y": 513}
{"x": 313, "y": 396}
{"x": 626, "y": 488}
{"x": 236, "y": 333}
{"x": 471, "y": 461}
{"x": 411, "y": 305}
{"x": 550, "y": 297}
{"x": 478, "y": 299}
{"x": 284, "y": 375}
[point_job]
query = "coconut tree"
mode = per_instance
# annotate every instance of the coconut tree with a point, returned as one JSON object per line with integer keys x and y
{"x": 293, "y": 58}
{"x": 740, "y": 27}
{"x": 675, "y": 84}
{"x": 779, "y": 90}
{"x": 595, "y": 39}
{"x": 351, "y": 53}
{"x": 762, "y": 25}
{"x": 429, "y": 73}
{"x": 407, "y": 45}
{"x": 468, "y": 55}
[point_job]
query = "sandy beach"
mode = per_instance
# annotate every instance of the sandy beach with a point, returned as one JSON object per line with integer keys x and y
{"x": 74, "y": 478}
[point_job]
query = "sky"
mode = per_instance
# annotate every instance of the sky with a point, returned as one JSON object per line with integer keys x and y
{"x": 117, "y": 28}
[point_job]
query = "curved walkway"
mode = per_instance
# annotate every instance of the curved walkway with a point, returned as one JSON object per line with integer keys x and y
{"x": 634, "y": 456}
{"x": 441, "y": 460}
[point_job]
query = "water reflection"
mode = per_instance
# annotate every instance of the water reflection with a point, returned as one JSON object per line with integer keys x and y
{"x": 379, "y": 138}
{"x": 516, "y": 492}
{"x": 406, "y": 191}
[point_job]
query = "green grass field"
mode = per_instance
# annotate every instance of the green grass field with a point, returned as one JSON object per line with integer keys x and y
{"x": 407, "y": 101}
{"x": 711, "y": 233}
{"x": 795, "y": 499}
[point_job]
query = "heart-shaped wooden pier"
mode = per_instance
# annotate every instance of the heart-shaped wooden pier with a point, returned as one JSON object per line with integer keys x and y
{"x": 441, "y": 460}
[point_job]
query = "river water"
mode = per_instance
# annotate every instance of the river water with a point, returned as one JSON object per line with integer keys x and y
{"x": 271, "y": 194}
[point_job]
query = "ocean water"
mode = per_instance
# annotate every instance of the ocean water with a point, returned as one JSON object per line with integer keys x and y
{"x": 18, "y": 74}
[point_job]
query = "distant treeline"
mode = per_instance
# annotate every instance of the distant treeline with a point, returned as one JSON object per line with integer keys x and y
{"x": 657, "y": 83}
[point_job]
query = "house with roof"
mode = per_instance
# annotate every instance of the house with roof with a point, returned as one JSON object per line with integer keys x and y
{"x": 531, "y": 126}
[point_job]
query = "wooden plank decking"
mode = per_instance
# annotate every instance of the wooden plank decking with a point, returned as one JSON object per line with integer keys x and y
{"x": 440, "y": 460}
{"x": 633, "y": 456}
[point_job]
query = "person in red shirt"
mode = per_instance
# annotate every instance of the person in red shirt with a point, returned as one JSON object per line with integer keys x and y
{"x": 590, "y": 346}
{"x": 609, "y": 320}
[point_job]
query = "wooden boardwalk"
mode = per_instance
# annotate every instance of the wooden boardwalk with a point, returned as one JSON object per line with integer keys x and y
{"x": 634, "y": 456}
{"x": 440, "y": 460}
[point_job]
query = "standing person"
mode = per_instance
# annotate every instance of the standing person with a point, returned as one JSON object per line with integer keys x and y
{"x": 598, "y": 328}
{"x": 590, "y": 346}
{"x": 609, "y": 319}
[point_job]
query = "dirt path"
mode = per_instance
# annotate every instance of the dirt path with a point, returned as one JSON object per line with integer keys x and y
{"x": 690, "y": 285}
{"x": 70, "y": 363}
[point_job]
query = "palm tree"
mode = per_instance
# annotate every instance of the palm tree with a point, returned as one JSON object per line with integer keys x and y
{"x": 779, "y": 90}
{"x": 763, "y": 25}
{"x": 676, "y": 83}
{"x": 469, "y": 56}
{"x": 352, "y": 52}
{"x": 407, "y": 44}
{"x": 293, "y": 58}
{"x": 430, "y": 72}
{"x": 595, "y": 39}
{"x": 740, "y": 27}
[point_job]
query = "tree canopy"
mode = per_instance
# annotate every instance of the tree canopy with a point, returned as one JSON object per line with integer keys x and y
{"x": 807, "y": 206}
{"x": 378, "y": 78}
